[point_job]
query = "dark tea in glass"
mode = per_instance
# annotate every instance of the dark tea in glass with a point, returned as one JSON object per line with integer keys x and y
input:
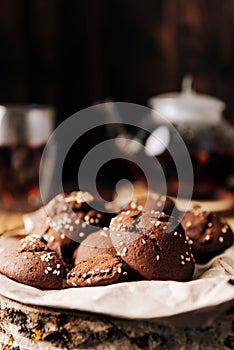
{"x": 24, "y": 131}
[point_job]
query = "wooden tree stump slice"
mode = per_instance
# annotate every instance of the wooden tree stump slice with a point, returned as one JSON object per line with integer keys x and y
{"x": 25, "y": 327}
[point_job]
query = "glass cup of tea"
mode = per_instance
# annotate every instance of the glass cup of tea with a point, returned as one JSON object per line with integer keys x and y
{"x": 24, "y": 131}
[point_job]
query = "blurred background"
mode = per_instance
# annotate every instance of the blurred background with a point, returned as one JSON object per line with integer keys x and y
{"x": 74, "y": 53}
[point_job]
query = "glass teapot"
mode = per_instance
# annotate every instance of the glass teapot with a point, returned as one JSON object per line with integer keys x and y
{"x": 208, "y": 137}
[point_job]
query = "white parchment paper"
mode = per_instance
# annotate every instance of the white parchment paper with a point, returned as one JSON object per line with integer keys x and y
{"x": 143, "y": 300}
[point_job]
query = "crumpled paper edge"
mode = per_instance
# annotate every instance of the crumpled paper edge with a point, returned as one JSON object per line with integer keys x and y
{"x": 134, "y": 300}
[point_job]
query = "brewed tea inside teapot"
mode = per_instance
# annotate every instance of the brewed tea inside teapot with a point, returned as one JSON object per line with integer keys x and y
{"x": 207, "y": 136}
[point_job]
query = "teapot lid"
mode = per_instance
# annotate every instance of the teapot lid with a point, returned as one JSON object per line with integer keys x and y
{"x": 187, "y": 105}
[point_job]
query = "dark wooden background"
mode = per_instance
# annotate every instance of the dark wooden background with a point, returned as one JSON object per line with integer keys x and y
{"x": 72, "y": 53}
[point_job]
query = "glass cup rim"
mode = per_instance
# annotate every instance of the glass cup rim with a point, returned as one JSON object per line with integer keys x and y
{"x": 29, "y": 106}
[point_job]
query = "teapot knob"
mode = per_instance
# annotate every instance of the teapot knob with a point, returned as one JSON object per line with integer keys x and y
{"x": 187, "y": 84}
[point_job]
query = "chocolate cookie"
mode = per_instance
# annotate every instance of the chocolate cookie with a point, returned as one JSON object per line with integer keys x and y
{"x": 61, "y": 243}
{"x": 37, "y": 268}
{"x": 154, "y": 202}
{"x": 83, "y": 205}
{"x": 32, "y": 243}
{"x": 68, "y": 219}
{"x": 97, "y": 243}
{"x": 99, "y": 270}
{"x": 138, "y": 221}
{"x": 64, "y": 203}
{"x": 207, "y": 233}
{"x": 152, "y": 245}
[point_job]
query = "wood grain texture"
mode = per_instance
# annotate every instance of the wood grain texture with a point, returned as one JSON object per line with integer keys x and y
{"x": 74, "y": 53}
{"x": 23, "y": 327}
{"x": 10, "y": 221}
